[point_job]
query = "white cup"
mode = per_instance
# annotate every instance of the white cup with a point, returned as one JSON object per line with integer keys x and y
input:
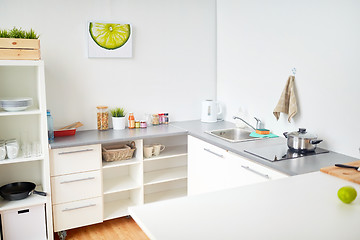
{"x": 12, "y": 149}
{"x": 158, "y": 148}
{"x": 148, "y": 151}
{"x": 2, "y": 150}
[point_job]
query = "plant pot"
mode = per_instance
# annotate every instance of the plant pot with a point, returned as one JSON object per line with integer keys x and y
{"x": 118, "y": 123}
{"x": 19, "y": 49}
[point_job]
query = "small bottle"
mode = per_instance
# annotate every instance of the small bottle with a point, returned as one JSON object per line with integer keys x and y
{"x": 161, "y": 118}
{"x": 143, "y": 124}
{"x": 166, "y": 118}
{"x": 131, "y": 120}
{"x": 102, "y": 118}
{"x": 137, "y": 124}
{"x": 50, "y": 124}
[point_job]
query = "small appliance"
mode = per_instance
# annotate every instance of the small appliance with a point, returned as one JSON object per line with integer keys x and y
{"x": 211, "y": 110}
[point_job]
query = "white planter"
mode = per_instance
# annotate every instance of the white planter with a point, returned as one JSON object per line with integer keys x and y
{"x": 118, "y": 123}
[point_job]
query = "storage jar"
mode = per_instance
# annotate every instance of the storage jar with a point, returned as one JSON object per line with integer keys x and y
{"x": 102, "y": 118}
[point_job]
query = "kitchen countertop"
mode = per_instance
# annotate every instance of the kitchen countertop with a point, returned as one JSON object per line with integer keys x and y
{"x": 290, "y": 166}
{"x": 300, "y": 207}
{"x": 197, "y": 129}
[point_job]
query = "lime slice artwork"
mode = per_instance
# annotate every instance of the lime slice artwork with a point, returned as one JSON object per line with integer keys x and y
{"x": 109, "y": 39}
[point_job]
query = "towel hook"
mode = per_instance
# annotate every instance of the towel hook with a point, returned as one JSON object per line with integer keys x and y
{"x": 293, "y": 71}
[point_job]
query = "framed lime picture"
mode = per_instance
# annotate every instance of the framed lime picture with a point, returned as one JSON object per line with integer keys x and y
{"x": 109, "y": 40}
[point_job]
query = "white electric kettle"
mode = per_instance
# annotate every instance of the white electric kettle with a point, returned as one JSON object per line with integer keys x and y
{"x": 210, "y": 111}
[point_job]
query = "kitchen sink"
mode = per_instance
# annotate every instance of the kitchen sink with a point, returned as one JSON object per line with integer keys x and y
{"x": 233, "y": 134}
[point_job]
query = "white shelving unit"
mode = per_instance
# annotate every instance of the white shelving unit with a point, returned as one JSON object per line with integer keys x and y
{"x": 122, "y": 184}
{"x": 21, "y": 78}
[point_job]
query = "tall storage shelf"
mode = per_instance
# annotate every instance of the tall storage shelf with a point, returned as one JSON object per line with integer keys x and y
{"x": 20, "y": 78}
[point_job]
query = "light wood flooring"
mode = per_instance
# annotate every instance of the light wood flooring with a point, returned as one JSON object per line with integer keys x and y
{"x": 116, "y": 229}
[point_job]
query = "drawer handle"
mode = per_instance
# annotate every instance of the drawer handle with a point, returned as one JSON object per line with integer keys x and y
{"x": 216, "y": 154}
{"x": 77, "y": 151}
{"x": 75, "y": 208}
{"x": 77, "y": 180}
{"x": 256, "y": 172}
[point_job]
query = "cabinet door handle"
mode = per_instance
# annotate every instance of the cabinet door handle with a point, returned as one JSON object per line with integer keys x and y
{"x": 256, "y": 172}
{"x": 77, "y": 180}
{"x": 216, "y": 154}
{"x": 75, "y": 208}
{"x": 77, "y": 151}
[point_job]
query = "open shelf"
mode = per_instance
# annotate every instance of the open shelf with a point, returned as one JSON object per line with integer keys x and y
{"x": 117, "y": 208}
{"x": 113, "y": 185}
{"x": 32, "y": 200}
{"x": 165, "y": 175}
{"x": 20, "y": 113}
{"x": 21, "y": 62}
{"x": 21, "y": 159}
{"x": 169, "y": 152}
{"x": 165, "y": 195}
{"x": 121, "y": 163}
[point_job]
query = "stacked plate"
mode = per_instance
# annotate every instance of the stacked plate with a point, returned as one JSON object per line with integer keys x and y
{"x": 15, "y": 104}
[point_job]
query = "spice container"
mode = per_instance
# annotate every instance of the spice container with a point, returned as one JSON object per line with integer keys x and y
{"x": 161, "y": 118}
{"x": 143, "y": 124}
{"x": 166, "y": 118}
{"x": 102, "y": 118}
{"x": 155, "y": 119}
{"x": 131, "y": 120}
{"x": 137, "y": 124}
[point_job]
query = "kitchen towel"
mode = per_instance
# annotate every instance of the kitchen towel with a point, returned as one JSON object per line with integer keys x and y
{"x": 287, "y": 102}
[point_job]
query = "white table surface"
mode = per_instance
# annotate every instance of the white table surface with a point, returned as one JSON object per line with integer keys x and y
{"x": 299, "y": 207}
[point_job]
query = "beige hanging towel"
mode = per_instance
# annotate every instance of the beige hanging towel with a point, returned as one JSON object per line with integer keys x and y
{"x": 287, "y": 102}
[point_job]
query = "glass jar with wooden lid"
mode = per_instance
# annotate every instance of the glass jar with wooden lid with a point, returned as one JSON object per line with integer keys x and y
{"x": 102, "y": 118}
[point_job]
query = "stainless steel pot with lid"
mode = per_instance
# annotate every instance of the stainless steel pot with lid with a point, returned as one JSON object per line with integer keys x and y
{"x": 301, "y": 141}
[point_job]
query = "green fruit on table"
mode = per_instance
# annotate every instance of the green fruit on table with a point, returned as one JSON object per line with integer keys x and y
{"x": 347, "y": 194}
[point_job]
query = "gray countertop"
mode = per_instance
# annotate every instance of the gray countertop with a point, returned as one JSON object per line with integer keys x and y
{"x": 197, "y": 129}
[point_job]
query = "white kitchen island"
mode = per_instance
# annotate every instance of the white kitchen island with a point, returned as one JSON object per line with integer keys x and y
{"x": 300, "y": 207}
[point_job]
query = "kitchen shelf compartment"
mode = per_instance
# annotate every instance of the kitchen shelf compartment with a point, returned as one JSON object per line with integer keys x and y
{"x": 165, "y": 175}
{"x": 165, "y": 191}
{"x": 116, "y": 205}
{"x": 119, "y": 184}
{"x": 115, "y": 164}
{"x": 170, "y": 152}
{"x": 21, "y": 159}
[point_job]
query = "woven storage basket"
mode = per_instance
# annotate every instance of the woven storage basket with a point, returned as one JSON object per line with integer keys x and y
{"x": 118, "y": 152}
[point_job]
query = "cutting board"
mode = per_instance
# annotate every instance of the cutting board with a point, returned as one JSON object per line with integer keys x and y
{"x": 349, "y": 174}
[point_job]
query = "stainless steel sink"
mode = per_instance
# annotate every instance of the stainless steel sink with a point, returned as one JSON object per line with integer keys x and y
{"x": 233, "y": 134}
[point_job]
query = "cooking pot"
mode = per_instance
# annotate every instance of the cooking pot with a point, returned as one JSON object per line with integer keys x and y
{"x": 301, "y": 141}
{"x": 18, "y": 190}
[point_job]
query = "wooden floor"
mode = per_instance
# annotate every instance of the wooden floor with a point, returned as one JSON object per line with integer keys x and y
{"x": 116, "y": 229}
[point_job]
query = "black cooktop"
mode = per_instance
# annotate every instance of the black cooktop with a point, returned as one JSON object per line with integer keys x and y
{"x": 281, "y": 152}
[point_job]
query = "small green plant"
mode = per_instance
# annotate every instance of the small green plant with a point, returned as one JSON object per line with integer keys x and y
{"x": 18, "y": 33}
{"x": 118, "y": 112}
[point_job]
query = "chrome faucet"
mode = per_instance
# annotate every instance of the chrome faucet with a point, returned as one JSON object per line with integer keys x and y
{"x": 235, "y": 117}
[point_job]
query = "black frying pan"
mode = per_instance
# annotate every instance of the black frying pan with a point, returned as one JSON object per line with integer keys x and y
{"x": 19, "y": 190}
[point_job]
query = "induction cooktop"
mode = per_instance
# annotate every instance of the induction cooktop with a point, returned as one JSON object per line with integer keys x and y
{"x": 281, "y": 152}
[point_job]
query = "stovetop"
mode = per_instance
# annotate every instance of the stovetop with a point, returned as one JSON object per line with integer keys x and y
{"x": 281, "y": 152}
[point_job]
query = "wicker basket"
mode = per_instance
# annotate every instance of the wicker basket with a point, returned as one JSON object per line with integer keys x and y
{"x": 118, "y": 152}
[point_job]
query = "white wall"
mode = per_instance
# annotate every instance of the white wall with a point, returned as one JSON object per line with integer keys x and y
{"x": 260, "y": 41}
{"x": 172, "y": 70}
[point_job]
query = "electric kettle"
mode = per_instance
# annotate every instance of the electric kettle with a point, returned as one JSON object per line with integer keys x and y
{"x": 210, "y": 111}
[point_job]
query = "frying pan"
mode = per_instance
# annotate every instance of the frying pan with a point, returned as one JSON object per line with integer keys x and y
{"x": 19, "y": 190}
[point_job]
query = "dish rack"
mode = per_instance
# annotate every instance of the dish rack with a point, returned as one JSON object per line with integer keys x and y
{"x": 118, "y": 152}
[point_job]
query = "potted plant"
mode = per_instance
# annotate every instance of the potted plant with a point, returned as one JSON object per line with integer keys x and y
{"x": 18, "y": 44}
{"x": 118, "y": 118}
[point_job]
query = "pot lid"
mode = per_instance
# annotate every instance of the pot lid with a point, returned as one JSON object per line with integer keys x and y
{"x": 302, "y": 134}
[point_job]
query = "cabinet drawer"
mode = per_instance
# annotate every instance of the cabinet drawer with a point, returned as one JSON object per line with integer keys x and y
{"x": 75, "y": 159}
{"x": 77, "y": 214}
{"x": 258, "y": 169}
{"x": 76, "y": 186}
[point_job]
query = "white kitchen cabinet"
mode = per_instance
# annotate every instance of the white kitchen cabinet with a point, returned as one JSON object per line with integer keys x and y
{"x": 19, "y": 79}
{"x": 76, "y": 182}
{"x": 212, "y": 168}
